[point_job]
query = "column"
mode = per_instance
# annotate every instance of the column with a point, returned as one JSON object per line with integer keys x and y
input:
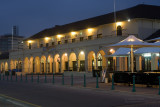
{"x": 46, "y": 67}
{"x": 78, "y": 65}
{"x": 40, "y": 68}
{"x": 68, "y": 64}
{"x": 86, "y": 63}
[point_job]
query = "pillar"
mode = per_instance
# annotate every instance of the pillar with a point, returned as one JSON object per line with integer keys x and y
{"x": 86, "y": 62}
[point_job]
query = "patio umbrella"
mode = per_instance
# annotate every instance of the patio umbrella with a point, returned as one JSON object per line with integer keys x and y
{"x": 133, "y": 42}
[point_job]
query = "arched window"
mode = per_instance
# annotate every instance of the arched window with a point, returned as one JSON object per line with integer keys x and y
{"x": 119, "y": 30}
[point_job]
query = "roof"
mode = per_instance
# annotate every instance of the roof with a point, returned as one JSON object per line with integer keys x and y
{"x": 139, "y": 11}
{"x": 154, "y": 35}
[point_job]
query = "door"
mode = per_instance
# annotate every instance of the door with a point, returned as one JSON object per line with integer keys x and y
{"x": 74, "y": 65}
{"x": 82, "y": 66}
{"x": 66, "y": 65}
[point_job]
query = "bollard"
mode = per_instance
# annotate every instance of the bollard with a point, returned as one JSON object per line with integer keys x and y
{"x": 32, "y": 78}
{"x": 45, "y": 80}
{"x": 26, "y": 78}
{"x": 11, "y": 76}
{"x": 159, "y": 85}
{"x": 53, "y": 79}
{"x": 84, "y": 80}
{"x": 16, "y": 77}
{"x": 71, "y": 79}
{"x": 3, "y": 77}
{"x": 112, "y": 82}
{"x": 62, "y": 79}
{"x": 134, "y": 90}
{"x": 0, "y": 76}
{"x": 97, "y": 86}
{"x": 21, "y": 77}
{"x": 38, "y": 78}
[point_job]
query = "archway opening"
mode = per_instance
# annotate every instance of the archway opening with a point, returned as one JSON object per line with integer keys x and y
{"x": 26, "y": 65}
{"x": 81, "y": 61}
{"x": 43, "y": 64}
{"x": 72, "y": 62}
{"x": 64, "y": 61}
{"x": 101, "y": 60}
{"x": 91, "y": 61}
{"x": 37, "y": 65}
{"x": 49, "y": 64}
{"x": 57, "y": 63}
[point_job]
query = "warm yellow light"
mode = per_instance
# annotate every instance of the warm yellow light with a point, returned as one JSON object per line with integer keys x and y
{"x": 82, "y": 53}
{"x": 65, "y": 54}
{"x": 129, "y": 20}
{"x": 90, "y": 30}
{"x": 119, "y": 23}
{"x": 46, "y": 38}
{"x": 131, "y": 40}
{"x": 59, "y": 36}
{"x": 73, "y": 33}
{"x": 112, "y": 51}
{"x": 29, "y": 41}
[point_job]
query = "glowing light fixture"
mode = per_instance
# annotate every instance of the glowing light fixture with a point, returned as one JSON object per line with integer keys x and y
{"x": 59, "y": 36}
{"x": 112, "y": 51}
{"x": 82, "y": 53}
{"x": 157, "y": 54}
{"x": 46, "y": 38}
{"x": 131, "y": 40}
{"x": 90, "y": 30}
{"x": 73, "y": 33}
{"x": 119, "y": 23}
{"x": 147, "y": 54}
{"x": 65, "y": 54}
{"x": 29, "y": 41}
{"x": 129, "y": 20}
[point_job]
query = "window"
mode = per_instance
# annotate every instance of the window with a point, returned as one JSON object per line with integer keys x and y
{"x": 81, "y": 38}
{"x": 29, "y": 45}
{"x": 90, "y": 37}
{"x": 59, "y": 42}
{"x": 66, "y": 41}
{"x": 41, "y": 45}
{"x": 52, "y": 43}
{"x": 99, "y": 35}
{"x": 47, "y": 44}
{"x": 119, "y": 31}
{"x": 73, "y": 40}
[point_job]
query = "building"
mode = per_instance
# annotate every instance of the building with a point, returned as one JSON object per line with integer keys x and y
{"x": 81, "y": 46}
{"x": 6, "y": 43}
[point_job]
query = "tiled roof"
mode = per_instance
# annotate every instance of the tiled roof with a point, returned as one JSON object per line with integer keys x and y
{"x": 139, "y": 11}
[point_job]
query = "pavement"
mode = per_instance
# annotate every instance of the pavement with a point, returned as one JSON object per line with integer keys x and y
{"x": 28, "y": 93}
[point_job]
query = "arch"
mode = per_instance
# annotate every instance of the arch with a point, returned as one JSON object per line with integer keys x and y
{"x": 81, "y": 61}
{"x": 50, "y": 63}
{"x": 101, "y": 60}
{"x": 43, "y": 64}
{"x": 73, "y": 62}
{"x": 36, "y": 65}
{"x": 2, "y": 67}
{"x": 26, "y": 65}
{"x": 119, "y": 30}
{"x": 91, "y": 60}
{"x": 12, "y": 64}
{"x": 6, "y": 66}
{"x": 31, "y": 65}
{"x": 57, "y": 63}
{"x": 64, "y": 61}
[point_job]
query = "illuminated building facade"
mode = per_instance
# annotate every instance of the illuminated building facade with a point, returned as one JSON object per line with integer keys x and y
{"x": 81, "y": 46}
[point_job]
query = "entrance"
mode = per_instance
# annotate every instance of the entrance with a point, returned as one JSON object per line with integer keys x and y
{"x": 74, "y": 65}
{"x": 66, "y": 65}
{"x": 82, "y": 65}
{"x": 146, "y": 63}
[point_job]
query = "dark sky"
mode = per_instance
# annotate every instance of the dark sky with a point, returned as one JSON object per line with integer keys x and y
{"x": 32, "y": 16}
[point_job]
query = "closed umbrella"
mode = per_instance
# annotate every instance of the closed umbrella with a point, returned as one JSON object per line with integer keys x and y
{"x": 133, "y": 42}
